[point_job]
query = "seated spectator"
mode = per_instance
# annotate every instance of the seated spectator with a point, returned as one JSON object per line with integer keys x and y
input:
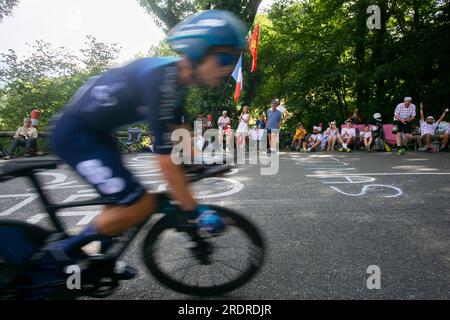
{"x": 314, "y": 141}
{"x": 331, "y": 133}
{"x": 428, "y": 129}
{"x": 25, "y": 136}
{"x": 366, "y": 138}
{"x": 445, "y": 137}
{"x": 299, "y": 136}
{"x": 347, "y": 136}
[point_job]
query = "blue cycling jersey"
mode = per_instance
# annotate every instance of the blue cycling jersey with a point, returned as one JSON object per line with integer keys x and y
{"x": 145, "y": 89}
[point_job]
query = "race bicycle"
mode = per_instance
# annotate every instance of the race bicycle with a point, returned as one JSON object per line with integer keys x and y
{"x": 175, "y": 252}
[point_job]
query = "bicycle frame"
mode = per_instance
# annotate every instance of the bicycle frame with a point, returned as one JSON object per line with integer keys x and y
{"x": 123, "y": 240}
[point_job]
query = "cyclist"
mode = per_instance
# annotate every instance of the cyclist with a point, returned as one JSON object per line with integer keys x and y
{"x": 151, "y": 89}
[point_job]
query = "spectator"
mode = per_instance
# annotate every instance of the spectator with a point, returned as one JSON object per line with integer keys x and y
{"x": 299, "y": 136}
{"x": 320, "y": 126}
{"x": 332, "y": 133}
{"x": 261, "y": 122}
{"x": 314, "y": 141}
{"x": 366, "y": 138}
{"x": 347, "y": 136}
{"x": 25, "y": 136}
{"x": 356, "y": 117}
{"x": 223, "y": 122}
{"x": 404, "y": 114}
{"x": 228, "y": 134}
{"x": 242, "y": 130}
{"x": 209, "y": 121}
{"x": 428, "y": 129}
{"x": 274, "y": 118}
{"x": 445, "y": 136}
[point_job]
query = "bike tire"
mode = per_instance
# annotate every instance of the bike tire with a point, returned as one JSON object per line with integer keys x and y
{"x": 255, "y": 259}
{"x": 22, "y": 240}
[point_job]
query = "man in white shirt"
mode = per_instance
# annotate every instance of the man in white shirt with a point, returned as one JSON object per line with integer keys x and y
{"x": 404, "y": 115}
{"x": 347, "y": 136}
{"x": 314, "y": 141}
{"x": 428, "y": 130}
{"x": 222, "y": 124}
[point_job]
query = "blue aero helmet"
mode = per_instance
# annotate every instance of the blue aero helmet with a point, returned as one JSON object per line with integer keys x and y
{"x": 195, "y": 36}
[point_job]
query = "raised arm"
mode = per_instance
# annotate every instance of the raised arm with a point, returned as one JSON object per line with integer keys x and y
{"x": 442, "y": 116}
{"x": 422, "y": 118}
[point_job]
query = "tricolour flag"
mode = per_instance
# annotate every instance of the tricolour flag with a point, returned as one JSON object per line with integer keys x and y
{"x": 237, "y": 75}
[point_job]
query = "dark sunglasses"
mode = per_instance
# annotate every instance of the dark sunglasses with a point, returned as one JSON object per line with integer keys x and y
{"x": 226, "y": 59}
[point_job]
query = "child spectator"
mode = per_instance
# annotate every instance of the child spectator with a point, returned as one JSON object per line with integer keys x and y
{"x": 331, "y": 133}
{"x": 366, "y": 138}
{"x": 299, "y": 136}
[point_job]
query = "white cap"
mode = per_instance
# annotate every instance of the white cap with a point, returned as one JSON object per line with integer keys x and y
{"x": 407, "y": 99}
{"x": 430, "y": 117}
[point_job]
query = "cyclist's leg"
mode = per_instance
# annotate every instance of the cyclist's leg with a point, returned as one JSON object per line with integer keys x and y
{"x": 98, "y": 160}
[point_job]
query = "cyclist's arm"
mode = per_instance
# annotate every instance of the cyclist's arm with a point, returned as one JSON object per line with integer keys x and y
{"x": 177, "y": 182}
{"x": 164, "y": 115}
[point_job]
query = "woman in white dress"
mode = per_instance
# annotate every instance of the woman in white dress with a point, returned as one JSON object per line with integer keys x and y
{"x": 242, "y": 130}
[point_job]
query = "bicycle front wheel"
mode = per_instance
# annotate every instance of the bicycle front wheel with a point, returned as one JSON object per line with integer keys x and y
{"x": 235, "y": 256}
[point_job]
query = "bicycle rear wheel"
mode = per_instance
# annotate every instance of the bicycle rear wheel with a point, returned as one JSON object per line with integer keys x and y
{"x": 19, "y": 242}
{"x": 236, "y": 256}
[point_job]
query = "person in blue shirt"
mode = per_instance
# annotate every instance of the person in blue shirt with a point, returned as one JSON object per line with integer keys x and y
{"x": 274, "y": 118}
{"x": 148, "y": 89}
{"x": 261, "y": 122}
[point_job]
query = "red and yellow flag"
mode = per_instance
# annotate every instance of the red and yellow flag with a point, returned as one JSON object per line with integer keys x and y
{"x": 253, "y": 46}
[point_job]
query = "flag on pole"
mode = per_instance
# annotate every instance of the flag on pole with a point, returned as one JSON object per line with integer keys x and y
{"x": 237, "y": 75}
{"x": 253, "y": 47}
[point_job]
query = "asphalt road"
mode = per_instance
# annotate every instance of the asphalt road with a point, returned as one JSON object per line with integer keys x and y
{"x": 327, "y": 217}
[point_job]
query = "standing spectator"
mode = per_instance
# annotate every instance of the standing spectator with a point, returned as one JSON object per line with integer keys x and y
{"x": 347, "y": 136}
{"x": 299, "y": 136}
{"x": 274, "y": 118}
{"x": 209, "y": 121}
{"x": 25, "y": 136}
{"x": 404, "y": 113}
{"x": 428, "y": 129}
{"x": 228, "y": 134}
{"x": 261, "y": 122}
{"x": 223, "y": 122}
{"x": 320, "y": 126}
{"x": 314, "y": 141}
{"x": 242, "y": 130}
{"x": 332, "y": 133}
{"x": 366, "y": 138}
{"x": 356, "y": 117}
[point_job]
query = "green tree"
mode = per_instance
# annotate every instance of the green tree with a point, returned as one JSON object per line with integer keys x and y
{"x": 168, "y": 13}
{"x": 47, "y": 78}
{"x": 6, "y": 8}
